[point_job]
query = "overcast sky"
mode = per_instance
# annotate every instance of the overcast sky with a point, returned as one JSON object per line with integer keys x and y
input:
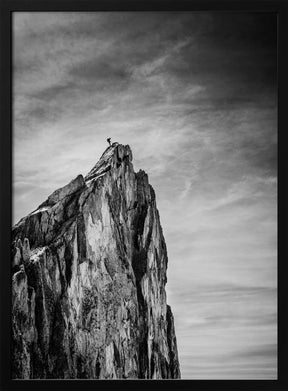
{"x": 195, "y": 96}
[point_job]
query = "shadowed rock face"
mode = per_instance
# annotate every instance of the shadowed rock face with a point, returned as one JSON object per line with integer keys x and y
{"x": 89, "y": 274}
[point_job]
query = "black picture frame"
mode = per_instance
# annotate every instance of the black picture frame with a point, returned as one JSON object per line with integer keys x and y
{"x": 10, "y": 6}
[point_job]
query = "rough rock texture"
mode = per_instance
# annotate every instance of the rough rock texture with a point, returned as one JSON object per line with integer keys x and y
{"x": 89, "y": 274}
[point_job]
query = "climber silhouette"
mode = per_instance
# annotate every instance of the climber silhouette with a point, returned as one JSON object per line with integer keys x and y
{"x": 109, "y": 140}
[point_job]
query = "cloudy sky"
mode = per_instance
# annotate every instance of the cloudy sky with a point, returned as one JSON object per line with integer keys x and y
{"x": 195, "y": 96}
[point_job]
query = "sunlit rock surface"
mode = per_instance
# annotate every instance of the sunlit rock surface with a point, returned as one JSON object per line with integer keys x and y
{"x": 88, "y": 286}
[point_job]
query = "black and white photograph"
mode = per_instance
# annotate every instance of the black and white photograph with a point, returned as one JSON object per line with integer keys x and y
{"x": 144, "y": 191}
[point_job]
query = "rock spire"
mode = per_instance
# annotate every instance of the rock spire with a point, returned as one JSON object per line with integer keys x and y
{"x": 88, "y": 286}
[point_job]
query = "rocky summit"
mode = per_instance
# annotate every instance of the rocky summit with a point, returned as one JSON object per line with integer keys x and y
{"x": 88, "y": 281}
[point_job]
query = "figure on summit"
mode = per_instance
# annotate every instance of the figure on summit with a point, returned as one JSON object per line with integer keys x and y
{"x": 109, "y": 140}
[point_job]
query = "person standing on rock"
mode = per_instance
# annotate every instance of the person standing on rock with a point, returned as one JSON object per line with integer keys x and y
{"x": 109, "y": 140}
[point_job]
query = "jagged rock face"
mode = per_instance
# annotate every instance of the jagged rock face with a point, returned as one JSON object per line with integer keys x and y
{"x": 89, "y": 274}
